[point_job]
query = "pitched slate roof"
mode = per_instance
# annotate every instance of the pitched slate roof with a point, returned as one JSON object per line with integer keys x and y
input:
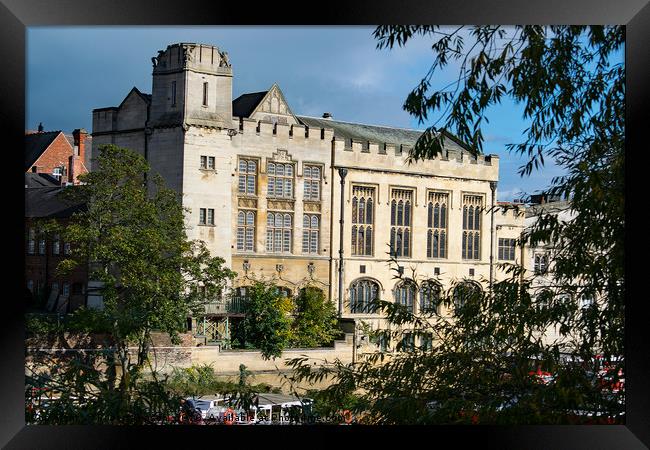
{"x": 44, "y": 202}
{"x": 363, "y": 132}
{"x": 245, "y": 104}
{"x": 36, "y": 144}
{"x": 349, "y": 131}
{"x": 39, "y": 180}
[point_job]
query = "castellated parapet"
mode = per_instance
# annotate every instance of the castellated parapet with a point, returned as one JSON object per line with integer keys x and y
{"x": 192, "y": 85}
{"x": 188, "y": 56}
{"x": 383, "y": 156}
{"x": 391, "y": 157}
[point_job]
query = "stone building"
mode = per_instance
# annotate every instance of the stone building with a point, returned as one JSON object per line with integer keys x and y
{"x": 264, "y": 191}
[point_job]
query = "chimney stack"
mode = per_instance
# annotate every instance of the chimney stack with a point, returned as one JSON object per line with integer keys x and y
{"x": 327, "y": 115}
{"x": 40, "y": 127}
{"x": 78, "y": 155}
{"x": 79, "y": 136}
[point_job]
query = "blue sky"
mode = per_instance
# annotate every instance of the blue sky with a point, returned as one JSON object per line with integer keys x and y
{"x": 72, "y": 70}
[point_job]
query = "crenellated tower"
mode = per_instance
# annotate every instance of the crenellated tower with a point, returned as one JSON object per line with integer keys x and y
{"x": 192, "y": 85}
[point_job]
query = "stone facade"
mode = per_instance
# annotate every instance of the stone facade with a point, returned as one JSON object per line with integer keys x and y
{"x": 263, "y": 190}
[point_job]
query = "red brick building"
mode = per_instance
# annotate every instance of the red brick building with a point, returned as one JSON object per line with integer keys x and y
{"x": 57, "y": 154}
{"x": 44, "y": 287}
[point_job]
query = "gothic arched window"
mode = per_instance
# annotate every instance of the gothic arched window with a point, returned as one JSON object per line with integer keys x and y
{"x": 362, "y": 218}
{"x": 363, "y": 293}
{"x": 405, "y": 294}
{"x": 430, "y": 292}
{"x": 464, "y": 292}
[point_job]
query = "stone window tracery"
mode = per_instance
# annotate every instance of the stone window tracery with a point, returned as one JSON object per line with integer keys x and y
{"x": 362, "y": 220}
{"x": 279, "y": 232}
{"x": 464, "y": 292}
{"x": 541, "y": 264}
{"x": 280, "y": 180}
{"x": 247, "y": 177}
{"x": 246, "y": 231}
{"x": 310, "y": 233}
{"x": 312, "y": 176}
{"x": 400, "y": 220}
{"x": 430, "y": 296}
{"x": 472, "y": 209}
{"x": 362, "y": 293}
{"x": 507, "y": 249}
{"x": 405, "y": 295}
{"x": 437, "y": 225}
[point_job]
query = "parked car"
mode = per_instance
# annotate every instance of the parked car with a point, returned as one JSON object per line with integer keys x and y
{"x": 203, "y": 404}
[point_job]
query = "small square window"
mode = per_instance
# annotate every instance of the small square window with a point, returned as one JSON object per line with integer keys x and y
{"x": 211, "y": 162}
{"x": 362, "y": 269}
{"x": 210, "y": 216}
{"x": 471, "y": 272}
{"x": 436, "y": 270}
{"x": 204, "y": 162}
{"x": 202, "y": 214}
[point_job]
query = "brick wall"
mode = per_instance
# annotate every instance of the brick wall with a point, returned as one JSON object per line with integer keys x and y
{"x": 56, "y": 155}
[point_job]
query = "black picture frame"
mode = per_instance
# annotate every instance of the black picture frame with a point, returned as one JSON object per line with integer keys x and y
{"x": 16, "y": 15}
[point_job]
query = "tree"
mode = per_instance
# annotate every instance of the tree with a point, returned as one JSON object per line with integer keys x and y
{"x": 315, "y": 322}
{"x": 133, "y": 240}
{"x": 478, "y": 366}
{"x": 267, "y": 324}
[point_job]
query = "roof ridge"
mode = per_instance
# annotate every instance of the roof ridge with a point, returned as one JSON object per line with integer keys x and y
{"x": 358, "y": 123}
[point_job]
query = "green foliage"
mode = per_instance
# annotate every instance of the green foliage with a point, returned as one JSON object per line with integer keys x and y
{"x": 132, "y": 238}
{"x": 77, "y": 393}
{"x": 198, "y": 381}
{"x": 267, "y": 325}
{"x": 315, "y": 322}
{"x": 42, "y": 325}
{"x": 478, "y": 368}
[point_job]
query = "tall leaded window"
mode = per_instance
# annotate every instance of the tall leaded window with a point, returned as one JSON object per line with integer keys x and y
{"x": 246, "y": 231}
{"x": 541, "y": 263}
{"x": 472, "y": 209}
{"x": 56, "y": 245}
{"x": 437, "y": 225}
{"x": 430, "y": 293}
{"x": 280, "y": 178}
{"x": 362, "y": 294}
{"x": 363, "y": 216}
{"x": 310, "y": 233}
{"x": 312, "y": 176}
{"x": 247, "y": 176}
{"x": 405, "y": 295}
{"x": 464, "y": 292}
{"x": 31, "y": 241}
{"x": 507, "y": 249}
{"x": 401, "y": 206}
{"x": 407, "y": 343}
{"x": 279, "y": 230}
{"x": 41, "y": 244}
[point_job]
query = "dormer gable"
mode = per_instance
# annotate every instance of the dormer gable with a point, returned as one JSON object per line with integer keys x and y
{"x": 273, "y": 107}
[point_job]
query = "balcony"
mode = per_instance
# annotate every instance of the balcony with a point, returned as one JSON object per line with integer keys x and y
{"x": 234, "y": 305}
